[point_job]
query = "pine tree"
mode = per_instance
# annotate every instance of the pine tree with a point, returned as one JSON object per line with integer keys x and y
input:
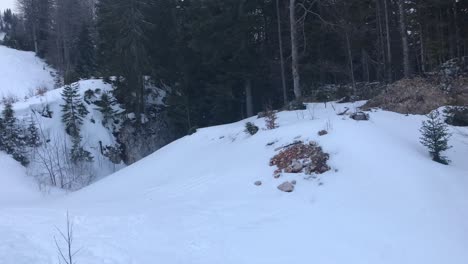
{"x": 33, "y": 138}
{"x": 78, "y": 153}
{"x": 73, "y": 110}
{"x": 12, "y": 136}
{"x": 105, "y": 105}
{"x": 435, "y": 137}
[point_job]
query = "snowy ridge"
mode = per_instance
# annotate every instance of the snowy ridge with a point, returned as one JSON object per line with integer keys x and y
{"x": 194, "y": 200}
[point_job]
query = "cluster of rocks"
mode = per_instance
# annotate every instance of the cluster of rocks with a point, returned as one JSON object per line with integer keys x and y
{"x": 298, "y": 157}
{"x": 301, "y": 157}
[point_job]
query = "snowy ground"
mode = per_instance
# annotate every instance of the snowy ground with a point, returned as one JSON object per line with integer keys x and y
{"x": 194, "y": 201}
{"x": 22, "y": 73}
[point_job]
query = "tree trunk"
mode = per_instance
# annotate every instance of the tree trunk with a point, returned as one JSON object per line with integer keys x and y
{"x": 294, "y": 50}
{"x": 389, "y": 47}
{"x": 350, "y": 60}
{"x": 383, "y": 63}
{"x": 457, "y": 28}
{"x": 248, "y": 98}
{"x": 280, "y": 41}
{"x": 404, "y": 40}
{"x": 423, "y": 56}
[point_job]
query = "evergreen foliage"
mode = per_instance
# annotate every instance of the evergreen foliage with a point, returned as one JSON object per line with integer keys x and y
{"x": 73, "y": 110}
{"x": 33, "y": 138}
{"x": 435, "y": 136}
{"x": 13, "y": 139}
{"x": 251, "y": 128}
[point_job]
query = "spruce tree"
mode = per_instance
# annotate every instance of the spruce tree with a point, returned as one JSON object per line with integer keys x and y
{"x": 78, "y": 153}
{"x": 105, "y": 105}
{"x": 12, "y": 136}
{"x": 435, "y": 137}
{"x": 73, "y": 110}
{"x": 33, "y": 138}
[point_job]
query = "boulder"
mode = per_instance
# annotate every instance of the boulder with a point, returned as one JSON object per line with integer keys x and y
{"x": 258, "y": 183}
{"x": 360, "y": 116}
{"x": 286, "y": 187}
{"x": 322, "y": 132}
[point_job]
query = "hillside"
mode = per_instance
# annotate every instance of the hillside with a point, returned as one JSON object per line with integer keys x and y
{"x": 194, "y": 201}
{"x": 22, "y": 74}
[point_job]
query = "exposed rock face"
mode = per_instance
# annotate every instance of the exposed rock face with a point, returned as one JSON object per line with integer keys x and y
{"x": 139, "y": 142}
{"x": 286, "y": 187}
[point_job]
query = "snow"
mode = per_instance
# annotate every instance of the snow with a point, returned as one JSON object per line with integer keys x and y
{"x": 22, "y": 73}
{"x": 194, "y": 201}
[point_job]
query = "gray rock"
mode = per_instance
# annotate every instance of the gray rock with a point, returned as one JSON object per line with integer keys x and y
{"x": 286, "y": 187}
{"x": 296, "y": 166}
{"x": 258, "y": 183}
{"x": 293, "y": 182}
{"x": 360, "y": 116}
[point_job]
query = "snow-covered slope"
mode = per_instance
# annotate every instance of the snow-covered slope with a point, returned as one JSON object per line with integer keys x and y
{"x": 22, "y": 73}
{"x": 194, "y": 201}
{"x": 52, "y": 128}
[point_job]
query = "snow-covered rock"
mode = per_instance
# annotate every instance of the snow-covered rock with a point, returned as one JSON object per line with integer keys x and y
{"x": 286, "y": 187}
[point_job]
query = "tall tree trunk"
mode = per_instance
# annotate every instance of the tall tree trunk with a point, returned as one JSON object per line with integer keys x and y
{"x": 423, "y": 56}
{"x": 280, "y": 43}
{"x": 404, "y": 39}
{"x": 294, "y": 50}
{"x": 248, "y": 98}
{"x": 365, "y": 66}
{"x": 457, "y": 28}
{"x": 381, "y": 42}
{"x": 389, "y": 47}
{"x": 350, "y": 60}
{"x": 36, "y": 49}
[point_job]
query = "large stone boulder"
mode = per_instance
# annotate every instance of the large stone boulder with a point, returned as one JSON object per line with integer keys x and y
{"x": 286, "y": 187}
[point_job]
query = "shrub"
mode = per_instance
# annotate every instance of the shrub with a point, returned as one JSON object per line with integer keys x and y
{"x": 250, "y": 128}
{"x": 270, "y": 119}
{"x": 435, "y": 137}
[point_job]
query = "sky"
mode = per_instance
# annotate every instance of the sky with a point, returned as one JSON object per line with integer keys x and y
{"x": 4, "y": 4}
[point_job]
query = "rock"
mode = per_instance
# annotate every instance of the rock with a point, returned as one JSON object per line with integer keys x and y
{"x": 322, "y": 132}
{"x": 293, "y": 182}
{"x": 277, "y": 175}
{"x": 296, "y": 166}
{"x": 286, "y": 187}
{"x": 258, "y": 183}
{"x": 360, "y": 116}
{"x": 261, "y": 114}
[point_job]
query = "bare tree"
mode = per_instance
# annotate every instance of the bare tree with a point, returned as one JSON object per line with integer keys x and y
{"x": 66, "y": 253}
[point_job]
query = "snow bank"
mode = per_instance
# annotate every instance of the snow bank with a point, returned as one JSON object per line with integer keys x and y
{"x": 194, "y": 201}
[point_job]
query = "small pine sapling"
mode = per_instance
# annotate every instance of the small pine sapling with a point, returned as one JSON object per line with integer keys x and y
{"x": 270, "y": 119}
{"x": 250, "y": 128}
{"x": 435, "y": 136}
